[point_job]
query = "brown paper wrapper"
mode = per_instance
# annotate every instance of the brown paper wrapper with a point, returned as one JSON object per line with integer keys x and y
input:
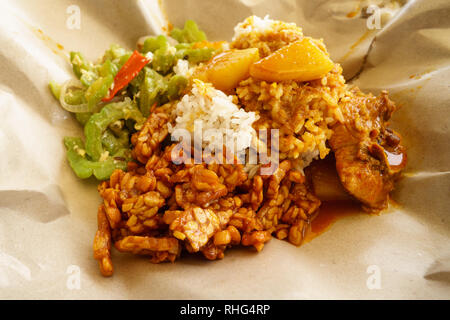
{"x": 48, "y": 216}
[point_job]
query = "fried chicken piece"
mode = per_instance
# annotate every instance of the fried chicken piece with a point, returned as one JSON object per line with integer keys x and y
{"x": 369, "y": 155}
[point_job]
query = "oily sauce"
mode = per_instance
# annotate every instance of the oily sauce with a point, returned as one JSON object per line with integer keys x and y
{"x": 329, "y": 213}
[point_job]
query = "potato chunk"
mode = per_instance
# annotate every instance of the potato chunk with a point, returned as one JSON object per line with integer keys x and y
{"x": 301, "y": 60}
{"x": 227, "y": 69}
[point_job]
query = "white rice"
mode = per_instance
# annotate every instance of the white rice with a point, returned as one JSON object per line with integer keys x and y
{"x": 206, "y": 109}
{"x": 182, "y": 68}
{"x": 253, "y": 24}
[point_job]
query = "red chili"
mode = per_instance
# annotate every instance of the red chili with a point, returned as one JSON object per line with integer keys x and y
{"x": 129, "y": 70}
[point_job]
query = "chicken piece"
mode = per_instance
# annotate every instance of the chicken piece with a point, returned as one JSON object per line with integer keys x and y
{"x": 369, "y": 156}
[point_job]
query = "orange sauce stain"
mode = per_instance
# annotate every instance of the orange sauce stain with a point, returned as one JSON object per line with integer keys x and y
{"x": 353, "y": 13}
{"x": 404, "y": 96}
{"x": 419, "y": 75}
{"x": 332, "y": 211}
{"x": 169, "y": 26}
{"x": 356, "y": 44}
{"x": 329, "y": 213}
{"x": 54, "y": 46}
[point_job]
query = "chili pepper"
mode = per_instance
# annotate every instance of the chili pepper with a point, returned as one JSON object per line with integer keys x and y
{"x": 128, "y": 71}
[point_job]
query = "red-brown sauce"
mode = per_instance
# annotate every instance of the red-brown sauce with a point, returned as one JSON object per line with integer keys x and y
{"x": 329, "y": 213}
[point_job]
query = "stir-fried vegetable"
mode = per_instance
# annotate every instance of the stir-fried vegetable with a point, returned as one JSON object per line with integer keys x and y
{"x": 190, "y": 33}
{"x": 128, "y": 71}
{"x": 100, "y": 121}
{"x": 84, "y": 168}
{"x": 112, "y": 97}
{"x": 98, "y": 90}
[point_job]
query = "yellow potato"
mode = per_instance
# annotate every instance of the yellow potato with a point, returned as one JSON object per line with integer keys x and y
{"x": 301, "y": 60}
{"x": 227, "y": 69}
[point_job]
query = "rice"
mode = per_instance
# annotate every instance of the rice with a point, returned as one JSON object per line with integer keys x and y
{"x": 265, "y": 34}
{"x": 216, "y": 116}
{"x": 304, "y": 112}
{"x": 253, "y": 24}
{"x": 182, "y": 68}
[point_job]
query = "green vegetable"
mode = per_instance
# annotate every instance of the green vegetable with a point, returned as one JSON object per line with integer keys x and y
{"x": 83, "y": 117}
{"x": 108, "y": 129}
{"x": 84, "y": 168}
{"x": 108, "y": 68}
{"x": 194, "y": 55}
{"x": 80, "y": 64}
{"x": 175, "y": 86}
{"x": 98, "y": 90}
{"x": 190, "y": 33}
{"x": 117, "y": 55}
{"x": 113, "y": 143}
{"x": 55, "y": 89}
{"x": 99, "y": 122}
{"x": 154, "y": 43}
{"x": 83, "y": 69}
{"x": 75, "y": 97}
{"x": 164, "y": 58}
{"x": 152, "y": 90}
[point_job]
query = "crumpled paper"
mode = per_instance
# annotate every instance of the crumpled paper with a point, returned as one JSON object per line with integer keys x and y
{"x": 48, "y": 216}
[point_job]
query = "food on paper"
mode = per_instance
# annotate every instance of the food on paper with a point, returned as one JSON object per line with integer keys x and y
{"x": 202, "y": 145}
